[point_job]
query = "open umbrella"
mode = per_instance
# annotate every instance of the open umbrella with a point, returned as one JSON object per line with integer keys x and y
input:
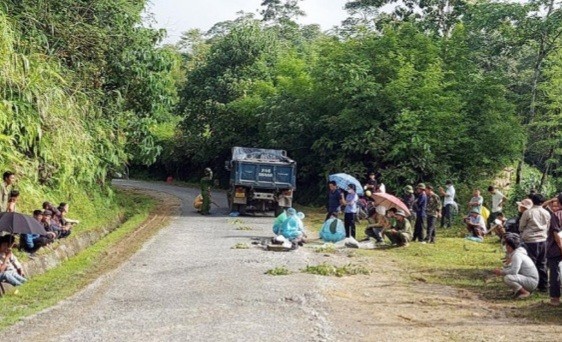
{"x": 16, "y": 223}
{"x": 343, "y": 180}
{"x": 388, "y": 201}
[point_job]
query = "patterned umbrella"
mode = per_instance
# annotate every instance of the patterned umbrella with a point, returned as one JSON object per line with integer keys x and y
{"x": 388, "y": 201}
{"x": 343, "y": 180}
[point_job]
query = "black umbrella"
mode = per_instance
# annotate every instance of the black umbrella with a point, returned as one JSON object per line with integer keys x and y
{"x": 16, "y": 223}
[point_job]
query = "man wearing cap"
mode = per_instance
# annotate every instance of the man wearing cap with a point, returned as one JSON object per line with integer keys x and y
{"x": 401, "y": 233}
{"x": 206, "y": 183}
{"x": 433, "y": 212}
{"x": 520, "y": 274}
{"x": 534, "y": 226}
{"x": 421, "y": 206}
{"x": 475, "y": 225}
{"x": 522, "y": 206}
{"x": 408, "y": 197}
{"x": 448, "y": 203}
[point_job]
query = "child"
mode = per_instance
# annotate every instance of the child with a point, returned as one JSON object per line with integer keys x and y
{"x": 10, "y": 269}
{"x": 12, "y": 200}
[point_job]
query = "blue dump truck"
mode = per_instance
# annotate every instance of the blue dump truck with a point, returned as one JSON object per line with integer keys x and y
{"x": 260, "y": 180}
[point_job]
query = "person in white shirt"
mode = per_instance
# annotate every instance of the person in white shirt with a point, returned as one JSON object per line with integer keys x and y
{"x": 448, "y": 203}
{"x": 498, "y": 199}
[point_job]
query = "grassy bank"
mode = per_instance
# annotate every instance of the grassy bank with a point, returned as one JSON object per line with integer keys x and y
{"x": 47, "y": 289}
{"x": 454, "y": 261}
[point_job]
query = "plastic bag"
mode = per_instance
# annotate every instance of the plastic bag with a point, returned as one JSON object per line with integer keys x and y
{"x": 278, "y": 221}
{"x": 485, "y": 213}
{"x": 332, "y": 230}
{"x": 292, "y": 227}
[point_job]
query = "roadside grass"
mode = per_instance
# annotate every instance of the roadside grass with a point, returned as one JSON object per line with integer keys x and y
{"x": 457, "y": 262}
{"x": 45, "y": 290}
{"x": 277, "y": 271}
{"x": 338, "y": 271}
{"x": 240, "y": 245}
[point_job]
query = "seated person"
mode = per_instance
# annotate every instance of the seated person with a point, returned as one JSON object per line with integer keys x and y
{"x": 54, "y": 211}
{"x": 10, "y": 268}
{"x": 63, "y": 211}
{"x": 498, "y": 226}
{"x": 520, "y": 274}
{"x": 377, "y": 222}
{"x": 400, "y": 234}
{"x": 32, "y": 242}
{"x": 51, "y": 226}
{"x": 475, "y": 225}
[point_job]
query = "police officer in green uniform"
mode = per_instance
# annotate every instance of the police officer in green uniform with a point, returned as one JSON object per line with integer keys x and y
{"x": 206, "y": 183}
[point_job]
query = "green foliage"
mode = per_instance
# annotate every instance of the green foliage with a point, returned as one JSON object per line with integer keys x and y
{"x": 81, "y": 87}
{"x": 439, "y": 90}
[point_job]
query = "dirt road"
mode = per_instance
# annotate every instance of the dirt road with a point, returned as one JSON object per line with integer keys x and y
{"x": 188, "y": 283}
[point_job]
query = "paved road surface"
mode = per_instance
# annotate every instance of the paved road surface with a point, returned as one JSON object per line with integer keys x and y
{"x": 187, "y": 283}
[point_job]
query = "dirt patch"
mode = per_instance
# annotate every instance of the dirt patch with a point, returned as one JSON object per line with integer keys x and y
{"x": 390, "y": 304}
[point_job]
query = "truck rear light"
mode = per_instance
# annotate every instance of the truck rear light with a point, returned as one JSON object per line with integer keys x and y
{"x": 287, "y": 193}
{"x": 240, "y": 192}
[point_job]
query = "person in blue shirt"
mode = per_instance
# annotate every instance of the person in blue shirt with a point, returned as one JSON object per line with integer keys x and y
{"x": 420, "y": 207}
{"x": 335, "y": 197}
{"x": 32, "y": 242}
{"x": 350, "y": 210}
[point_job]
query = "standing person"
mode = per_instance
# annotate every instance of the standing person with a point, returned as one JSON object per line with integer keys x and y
{"x": 408, "y": 198}
{"x": 371, "y": 183}
{"x": 498, "y": 199}
{"x": 421, "y": 207}
{"x": 350, "y": 203}
{"x": 520, "y": 274}
{"x": 448, "y": 203}
{"x": 433, "y": 212}
{"x": 380, "y": 185}
{"x": 522, "y": 206}
{"x": 335, "y": 197}
{"x": 9, "y": 178}
{"x": 534, "y": 226}
{"x": 554, "y": 248}
{"x": 206, "y": 183}
{"x": 476, "y": 201}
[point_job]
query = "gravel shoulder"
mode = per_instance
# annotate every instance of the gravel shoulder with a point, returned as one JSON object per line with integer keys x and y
{"x": 188, "y": 283}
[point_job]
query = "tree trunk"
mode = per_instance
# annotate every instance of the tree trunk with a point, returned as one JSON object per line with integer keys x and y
{"x": 546, "y": 169}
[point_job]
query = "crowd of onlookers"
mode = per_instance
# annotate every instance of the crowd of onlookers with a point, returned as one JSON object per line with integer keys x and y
{"x": 54, "y": 220}
{"x": 531, "y": 240}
